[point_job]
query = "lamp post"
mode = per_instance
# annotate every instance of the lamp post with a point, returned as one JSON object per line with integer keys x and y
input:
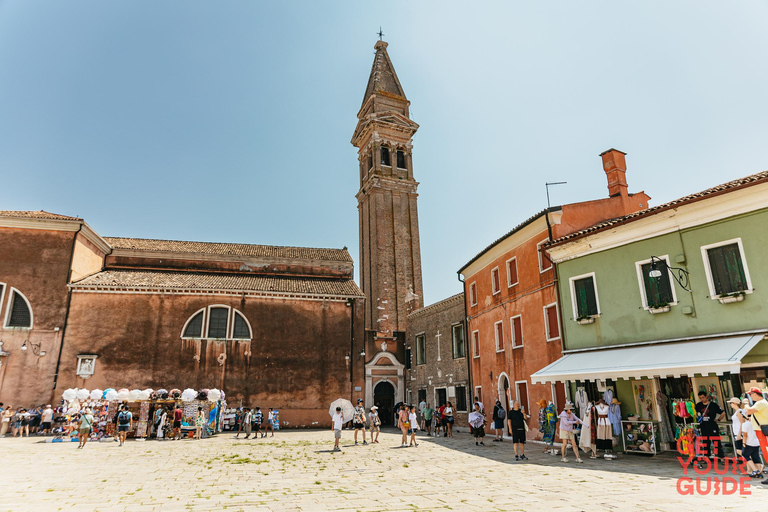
{"x": 678, "y": 274}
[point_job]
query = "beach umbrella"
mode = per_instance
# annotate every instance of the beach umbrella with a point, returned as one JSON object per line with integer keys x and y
{"x": 134, "y": 395}
{"x": 175, "y": 393}
{"x": 82, "y": 394}
{"x": 347, "y": 409}
{"x": 69, "y": 395}
{"x": 162, "y": 393}
{"x": 123, "y": 394}
{"x": 110, "y": 394}
{"x": 145, "y": 394}
{"x": 214, "y": 395}
{"x": 475, "y": 419}
{"x": 96, "y": 394}
{"x": 188, "y": 395}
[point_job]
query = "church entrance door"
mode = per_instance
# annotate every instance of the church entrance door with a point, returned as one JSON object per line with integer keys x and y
{"x": 384, "y": 399}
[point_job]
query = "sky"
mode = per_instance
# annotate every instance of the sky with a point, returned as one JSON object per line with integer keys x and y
{"x": 230, "y": 121}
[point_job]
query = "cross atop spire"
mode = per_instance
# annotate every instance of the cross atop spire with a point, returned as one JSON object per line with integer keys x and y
{"x": 381, "y": 34}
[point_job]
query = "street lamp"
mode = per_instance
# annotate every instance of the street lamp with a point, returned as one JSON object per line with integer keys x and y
{"x": 35, "y": 348}
{"x": 678, "y": 274}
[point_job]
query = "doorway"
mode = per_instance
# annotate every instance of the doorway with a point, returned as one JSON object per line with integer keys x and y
{"x": 441, "y": 397}
{"x": 384, "y": 399}
{"x": 504, "y": 394}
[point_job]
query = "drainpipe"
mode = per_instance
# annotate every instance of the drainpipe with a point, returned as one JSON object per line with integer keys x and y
{"x": 467, "y": 345}
{"x": 66, "y": 313}
{"x": 559, "y": 306}
{"x": 351, "y": 305}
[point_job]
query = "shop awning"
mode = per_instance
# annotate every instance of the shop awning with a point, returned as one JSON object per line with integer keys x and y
{"x": 673, "y": 359}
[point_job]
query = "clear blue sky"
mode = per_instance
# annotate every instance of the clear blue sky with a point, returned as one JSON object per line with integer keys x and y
{"x": 231, "y": 120}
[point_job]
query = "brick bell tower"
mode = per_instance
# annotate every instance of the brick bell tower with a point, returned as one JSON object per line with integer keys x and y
{"x": 390, "y": 254}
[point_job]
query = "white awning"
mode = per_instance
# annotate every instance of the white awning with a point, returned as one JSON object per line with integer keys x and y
{"x": 714, "y": 355}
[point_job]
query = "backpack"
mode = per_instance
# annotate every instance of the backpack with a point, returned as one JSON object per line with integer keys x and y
{"x": 122, "y": 418}
{"x": 501, "y": 414}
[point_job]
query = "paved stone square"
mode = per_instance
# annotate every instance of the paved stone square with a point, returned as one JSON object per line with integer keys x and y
{"x": 295, "y": 470}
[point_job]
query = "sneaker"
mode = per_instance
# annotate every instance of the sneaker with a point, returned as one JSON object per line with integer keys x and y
{"x": 563, "y": 460}
{"x": 416, "y": 444}
{"x": 501, "y": 440}
{"x": 523, "y": 457}
{"x": 355, "y": 442}
{"x": 579, "y": 461}
{"x": 495, "y": 440}
{"x": 365, "y": 442}
{"x": 482, "y": 443}
{"x": 765, "y": 482}
{"x": 517, "y": 458}
{"x": 477, "y": 444}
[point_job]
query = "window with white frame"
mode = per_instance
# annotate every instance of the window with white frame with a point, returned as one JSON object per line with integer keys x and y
{"x": 655, "y": 292}
{"x": 584, "y": 296}
{"x": 18, "y": 312}
{"x": 478, "y": 396}
{"x": 726, "y": 268}
{"x": 2, "y": 293}
{"x": 473, "y": 294}
{"x": 457, "y": 338}
{"x": 498, "y": 330}
{"x": 516, "y": 329}
{"x": 495, "y": 281}
{"x": 217, "y": 322}
{"x": 544, "y": 262}
{"x": 475, "y": 343}
{"x": 512, "y": 278}
{"x": 552, "y": 321}
{"x": 421, "y": 349}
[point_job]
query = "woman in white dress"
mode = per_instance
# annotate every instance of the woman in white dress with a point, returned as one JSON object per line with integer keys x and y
{"x": 161, "y": 423}
{"x": 585, "y": 440}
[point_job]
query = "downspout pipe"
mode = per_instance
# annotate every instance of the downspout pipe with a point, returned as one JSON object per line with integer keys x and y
{"x": 561, "y": 325}
{"x": 66, "y": 313}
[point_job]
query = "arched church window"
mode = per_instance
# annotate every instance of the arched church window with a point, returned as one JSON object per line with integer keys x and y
{"x": 217, "y": 322}
{"x": 400, "y": 160}
{"x": 241, "y": 330}
{"x": 19, "y": 312}
{"x": 194, "y": 326}
{"x": 385, "y": 156}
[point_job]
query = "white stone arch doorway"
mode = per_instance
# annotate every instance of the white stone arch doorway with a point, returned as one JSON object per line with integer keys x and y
{"x": 384, "y": 367}
{"x": 504, "y": 391}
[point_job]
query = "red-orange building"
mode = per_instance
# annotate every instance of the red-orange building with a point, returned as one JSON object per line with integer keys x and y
{"x": 514, "y": 325}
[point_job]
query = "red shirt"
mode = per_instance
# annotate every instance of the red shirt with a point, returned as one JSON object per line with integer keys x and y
{"x": 177, "y": 415}
{"x": 441, "y": 411}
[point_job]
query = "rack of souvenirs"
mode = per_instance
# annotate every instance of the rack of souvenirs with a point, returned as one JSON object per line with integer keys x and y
{"x": 152, "y": 412}
{"x": 639, "y": 436}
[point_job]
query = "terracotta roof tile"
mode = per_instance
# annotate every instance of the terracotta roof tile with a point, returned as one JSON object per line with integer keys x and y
{"x": 272, "y": 251}
{"x": 747, "y": 181}
{"x": 206, "y": 281}
{"x": 36, "y": 215}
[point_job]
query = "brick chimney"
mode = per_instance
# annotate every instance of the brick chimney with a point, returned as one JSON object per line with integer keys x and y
{"x": 615, "y": 167}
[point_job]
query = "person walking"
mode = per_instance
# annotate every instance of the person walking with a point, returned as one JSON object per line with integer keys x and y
{"x": 239, "y": 415}
{"x": 270, "y": 424}
{"x": 85, "y": 428}
{"x": 517, "y": 419}
{"x": 449, "y": 418}
{"x": 6, "y": 418}
{"x": 124, "y": 423}
{"x": 358, "y": 420}
{"x": 403, "y": 424}
{"x": 498, "y": 421}
{"x": 34, "y": 419}
{"x": 247, "y": 421}
{"x": 258, "y": 418}
{"x": 414, "y": 422}
{"x": 737, "y": 420}
{"x": 161, "y": 424}
{"x": 26, "y": 418}
{"x": 199, "y": 423}
{"x": 337, "y": 422}
{"x": 759, "y": 412}
{"x": 375, "y": 422}
{"x": 422, "y": 406}
{"x": 567, "y": 421}
{"x": 709, "y": 413}
{"x": 46, "y": 419}
{"x": 477, "y": 424}
{"x": 178, "y": 414}
{"x": 428, "y": 413}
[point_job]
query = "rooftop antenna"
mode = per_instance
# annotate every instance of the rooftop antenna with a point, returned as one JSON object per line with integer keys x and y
{"x": 380, "y": 34}
{"x": 549, "y": 185}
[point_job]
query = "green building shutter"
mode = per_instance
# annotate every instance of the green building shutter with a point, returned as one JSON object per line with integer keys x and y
{"x": 657, "y": 290}
{"x": 586, "y": 302}
{"x": 727, "y": 269}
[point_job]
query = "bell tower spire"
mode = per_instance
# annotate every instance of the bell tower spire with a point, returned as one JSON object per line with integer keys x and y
{"x": 390, "y": 253}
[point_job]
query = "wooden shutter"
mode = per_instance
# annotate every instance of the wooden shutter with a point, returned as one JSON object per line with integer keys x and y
{"x": 517, "y": 325}
{"x": 553, "y": 327}
{"x": 727, "y": 269}
{"x": 657, "y": 290}
{"x": 586, "y": 302}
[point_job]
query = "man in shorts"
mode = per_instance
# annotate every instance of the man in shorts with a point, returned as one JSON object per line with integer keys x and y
{"x": 47, "y": 419}
{"x": 375, "y": 422}
{"x": 124, "y": 423}
{"x": 358, "y": 420}
{"x": 337, "y": 421}
{"x": 177, "y": 415}
{"x": 247, "y": 421}
{"x": 258, "y": 418}
{"x": 759, "y": 412}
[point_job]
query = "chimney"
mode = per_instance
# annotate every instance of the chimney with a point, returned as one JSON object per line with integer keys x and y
{"x": 615, "y": 167}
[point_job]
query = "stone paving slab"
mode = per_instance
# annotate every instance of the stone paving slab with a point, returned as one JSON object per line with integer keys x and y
{"x": 296, "y": 471}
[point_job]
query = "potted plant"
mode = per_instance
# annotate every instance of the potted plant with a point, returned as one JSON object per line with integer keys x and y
{"x": 727, "y": 298}
{"x": 660, "y": 307}
{"x": 585, "y": 319}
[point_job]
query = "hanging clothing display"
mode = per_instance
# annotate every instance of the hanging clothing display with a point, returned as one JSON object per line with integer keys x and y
{"x": 667, "y": 436}
{"x": 585, "y": 441}
{"x": 580, "y": 401}
{"x": 604, "y": 428}
{"x": 614, "y": 416}
{"x": 608, "y": 396}
{"x": 548, "y": 428}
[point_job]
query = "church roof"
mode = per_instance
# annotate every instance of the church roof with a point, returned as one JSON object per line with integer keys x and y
{"x": 273, "y": 251}
{"x": 193, "y": 282}
{"x": 383, "y": 78}
{"x": 36, "y": 215}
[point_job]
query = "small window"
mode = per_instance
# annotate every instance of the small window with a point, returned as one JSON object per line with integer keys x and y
{"x": 194, "y": 327}
{"x": 421, "y": 349}
{"x": 407, "y": 359}
{"x": 516, "y": 326}
{"x": 552, "y": 322}
{"x": 461, "y": 398}
{"x": 473, "y": 294}
{"x": 241, "y": 331}
{"x": 512, "y": 272}
{"x": 498, "y": 329}
{"x": 584, "y": 296}
{"x": 457, "y": 335}
{"x": 475, "y": 343}
{"x": 385, "y": 156}
{"x": 217, "y": 323}
{"x": 20, "y": 315}
{"x": 658, "y": 290}
{"x": 400, "y": 160}
{"x": 478, "y": 395}
{"x": 544, "y": 262}
{"x": 370, "y": 162}
{"x": 727, "y": 268}
{"x": 495, "y": 283}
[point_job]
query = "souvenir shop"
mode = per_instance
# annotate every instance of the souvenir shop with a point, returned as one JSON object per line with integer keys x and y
{"x": 655, "y": 387}
{"x": 152, "y": 411}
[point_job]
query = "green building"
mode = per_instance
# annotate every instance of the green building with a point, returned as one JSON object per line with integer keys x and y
{"x": 660, "y": 304}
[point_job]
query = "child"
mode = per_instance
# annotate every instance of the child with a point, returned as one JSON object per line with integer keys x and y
{"x": 375, "y": 422}
{"x": 337, "y": 421}
{"x": 414, "y": 425}
{"x": 751, "y": 449}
